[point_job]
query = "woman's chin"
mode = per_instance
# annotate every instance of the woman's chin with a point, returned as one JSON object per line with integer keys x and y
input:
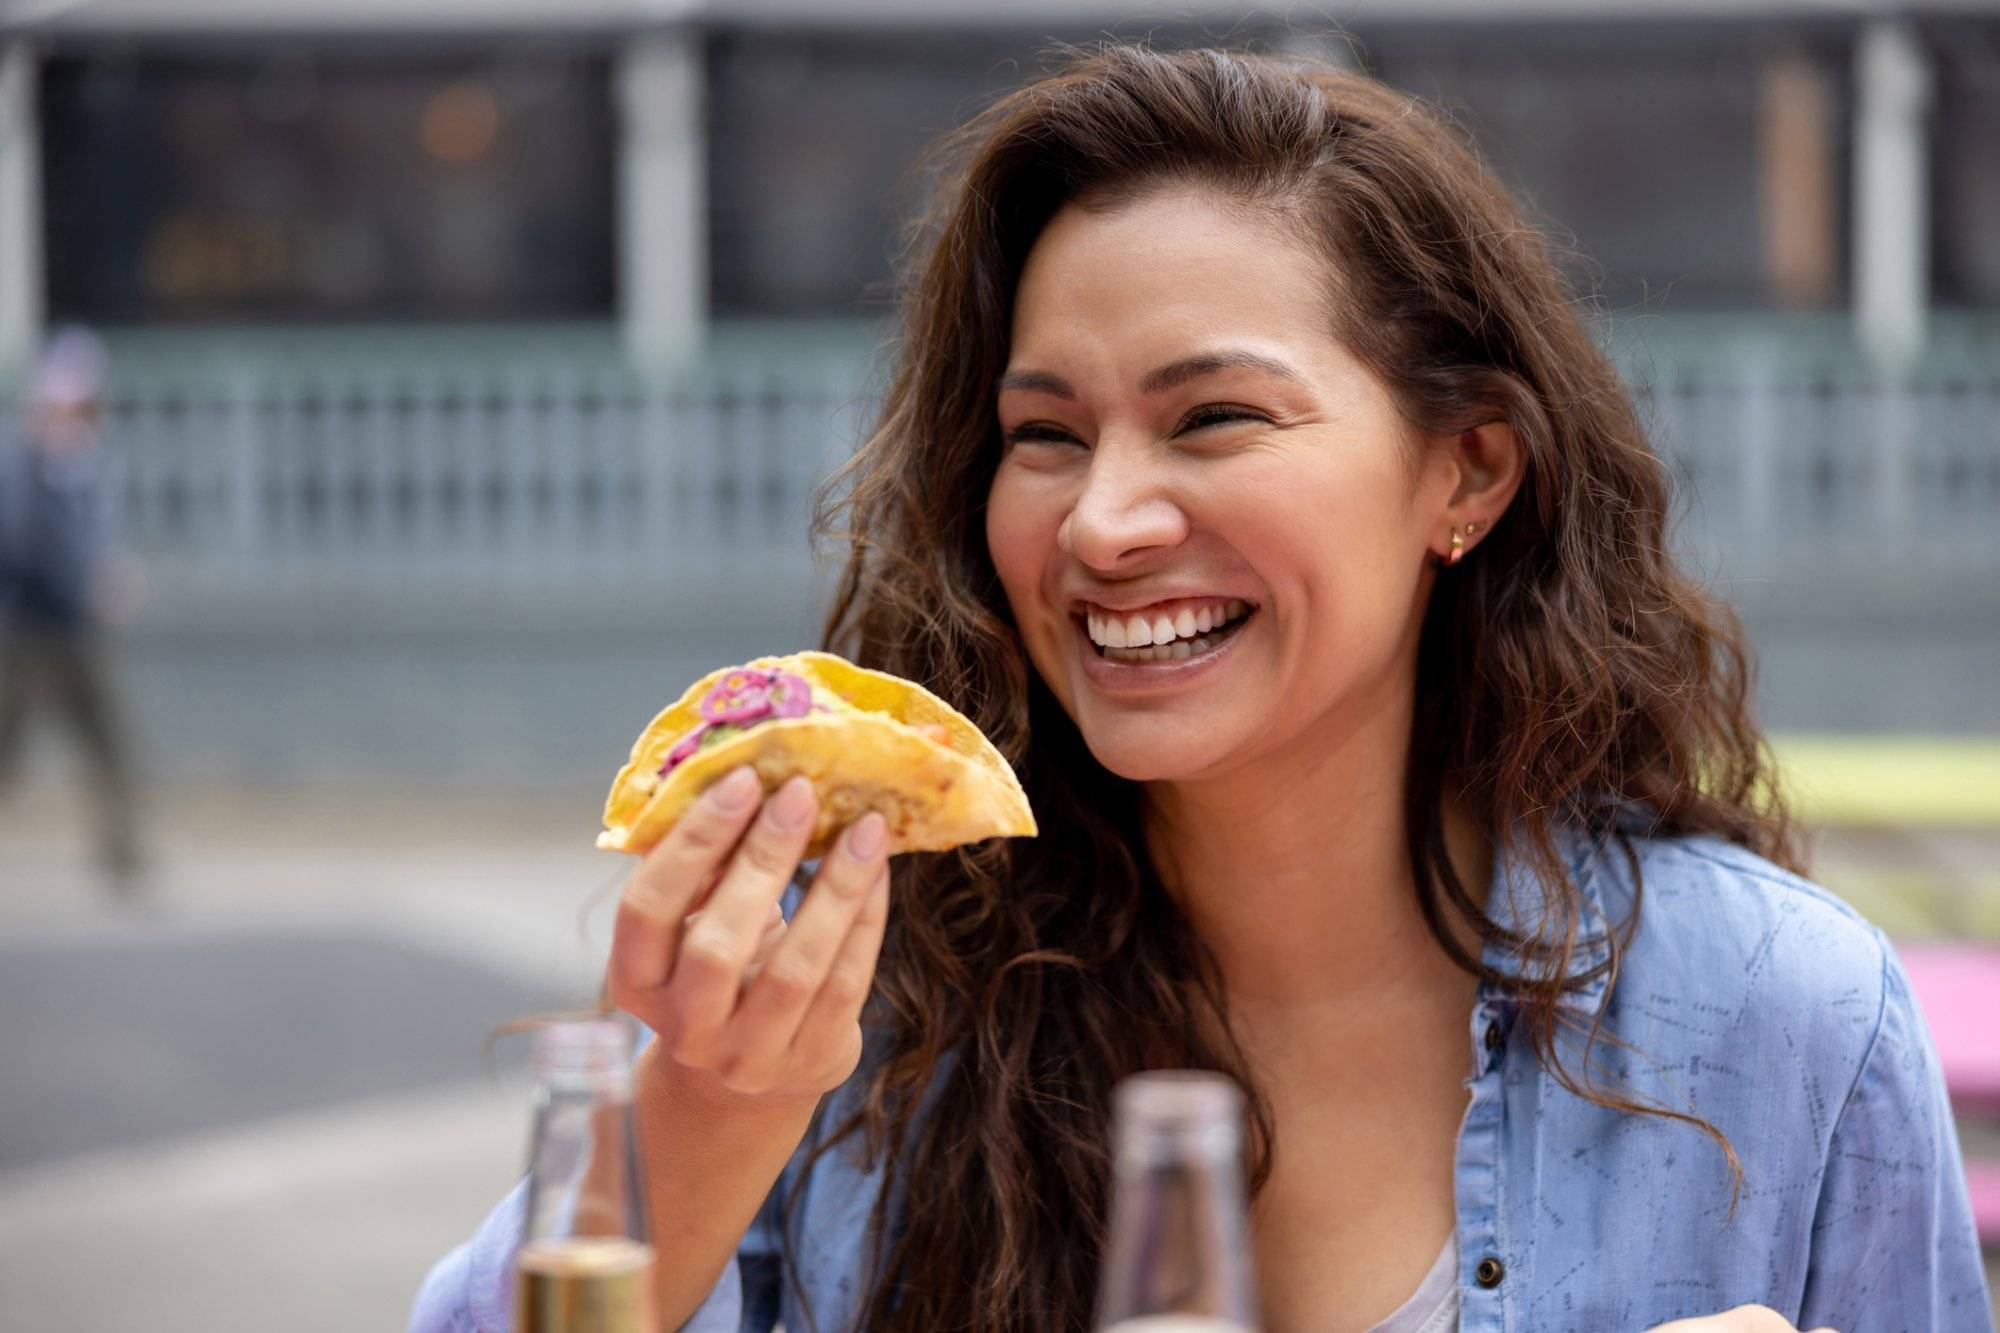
{"x": 1153, "y": 758}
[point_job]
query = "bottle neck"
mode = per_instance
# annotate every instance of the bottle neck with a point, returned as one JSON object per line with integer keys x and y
{"x": 584, "y": 1174}
{"x": 1178, "y": 1248}
{"x": 612, "y": 1086}
{"x": 1147, "y": 1147}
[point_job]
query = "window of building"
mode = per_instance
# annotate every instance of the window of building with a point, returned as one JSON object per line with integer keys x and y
{"x": 812, "y": 141}
{"x": 292, "y": 182}
{"x": 1966, "y": 170}
{"x": 1693, "y": 167}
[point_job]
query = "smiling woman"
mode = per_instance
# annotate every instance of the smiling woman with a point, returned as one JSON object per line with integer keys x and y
{"x": 1269, "y": 473}
{"x": 1249, "y": 479}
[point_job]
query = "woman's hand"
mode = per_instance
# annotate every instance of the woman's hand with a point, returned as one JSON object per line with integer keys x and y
{"x": 1743, "y": 1319}
{"x": 744, "y": 1004}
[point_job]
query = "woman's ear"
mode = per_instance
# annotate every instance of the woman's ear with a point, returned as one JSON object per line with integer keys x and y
{"x": 1486, "y": 465}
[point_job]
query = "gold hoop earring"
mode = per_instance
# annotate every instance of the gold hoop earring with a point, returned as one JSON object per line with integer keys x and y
{"x": 1457, "y": 549}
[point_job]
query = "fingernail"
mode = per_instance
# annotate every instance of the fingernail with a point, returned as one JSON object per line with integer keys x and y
{"x": 865, "y": 838}
{"x": 793, "y": 804}
{"x": 738, "y": 790}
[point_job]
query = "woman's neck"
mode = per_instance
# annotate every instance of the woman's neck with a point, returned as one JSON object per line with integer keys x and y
{"x": 1295, "y": 872}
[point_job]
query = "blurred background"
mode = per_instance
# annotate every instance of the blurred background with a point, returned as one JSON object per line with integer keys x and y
{"x": 457, "y": 379}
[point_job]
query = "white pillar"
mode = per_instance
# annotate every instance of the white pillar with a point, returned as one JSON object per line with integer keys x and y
{"x": 20, "y": 209}
{"x": 1891, "y": 192}
{"x": 662, "y": 199}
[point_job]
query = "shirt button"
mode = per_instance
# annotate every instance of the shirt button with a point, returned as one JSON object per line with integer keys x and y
{"x": 1489, "y": 1272}
{"x": 1492, "y": 1036}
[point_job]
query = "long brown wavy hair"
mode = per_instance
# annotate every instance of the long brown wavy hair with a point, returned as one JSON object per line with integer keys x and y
{"x": 1565, "y": 670}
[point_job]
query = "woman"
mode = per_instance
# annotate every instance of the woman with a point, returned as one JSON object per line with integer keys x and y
{"x": 1250, "y": 479}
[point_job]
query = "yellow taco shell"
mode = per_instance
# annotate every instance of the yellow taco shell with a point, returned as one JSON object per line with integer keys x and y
{"x": 868, "y": 753}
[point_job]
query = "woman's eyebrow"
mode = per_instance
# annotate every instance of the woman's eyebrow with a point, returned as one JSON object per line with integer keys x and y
{"x": 1170, "y": 376}
{"x": 1176, "y": 373}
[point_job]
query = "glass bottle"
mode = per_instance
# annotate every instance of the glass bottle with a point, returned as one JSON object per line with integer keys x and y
{"x": 1178, "y": 1257}
{"x": 585, "y": 1263}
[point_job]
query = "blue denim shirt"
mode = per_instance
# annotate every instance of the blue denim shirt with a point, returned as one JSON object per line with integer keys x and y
{"x": 1749, "y": 995}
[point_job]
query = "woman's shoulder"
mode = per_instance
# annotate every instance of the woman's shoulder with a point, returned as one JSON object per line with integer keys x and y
{"x": 1756, "y": 998}
{"x": 1739, "y": 970}
{"x": 1704, "y": 900}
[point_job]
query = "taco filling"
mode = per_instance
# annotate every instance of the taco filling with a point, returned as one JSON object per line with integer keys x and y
{"x": 740, "y": 700}
{"x": 749, "y": 695}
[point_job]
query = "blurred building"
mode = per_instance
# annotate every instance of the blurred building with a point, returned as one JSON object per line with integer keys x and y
{"x": 423, "y": 295}
{"x": 663, "y": 164}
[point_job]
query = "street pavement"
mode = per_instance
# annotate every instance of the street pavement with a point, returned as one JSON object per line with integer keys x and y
{"x": 258, "y": 1099}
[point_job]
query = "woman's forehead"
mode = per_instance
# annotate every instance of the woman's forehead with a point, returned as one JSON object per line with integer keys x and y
{"x": 1167, "y": 278}
{"x": 1183, "y": 242}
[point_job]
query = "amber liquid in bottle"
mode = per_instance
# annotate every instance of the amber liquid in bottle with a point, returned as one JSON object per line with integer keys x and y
{"x": 586, "y": 1284}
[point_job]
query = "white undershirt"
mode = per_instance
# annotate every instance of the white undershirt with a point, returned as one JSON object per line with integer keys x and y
{"x": 1433, "y": 1307}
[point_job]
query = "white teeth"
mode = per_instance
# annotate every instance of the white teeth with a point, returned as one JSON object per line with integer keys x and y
{"x": 1145, "y": 640}
{"x": 1179, "y": 650}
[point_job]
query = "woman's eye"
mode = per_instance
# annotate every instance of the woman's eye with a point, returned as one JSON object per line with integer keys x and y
{"x": 1037, "y": 433}
{"x": 1042, "y": 433}
{"x": 1214, "y": 415}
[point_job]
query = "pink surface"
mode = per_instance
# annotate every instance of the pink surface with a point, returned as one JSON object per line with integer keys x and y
{"x": 1982, "y": 1179}
{"x": 1958, "y": 986}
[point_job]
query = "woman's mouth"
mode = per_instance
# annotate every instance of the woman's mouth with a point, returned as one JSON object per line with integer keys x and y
{"x": 1170, "y": 632}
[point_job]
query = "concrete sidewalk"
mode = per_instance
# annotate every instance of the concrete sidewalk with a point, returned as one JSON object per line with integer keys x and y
{"x": 315, "y": 1223}
{"x": 323, "y": 1216}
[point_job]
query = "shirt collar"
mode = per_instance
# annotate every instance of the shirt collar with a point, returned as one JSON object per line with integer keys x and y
{"x": 1519, "y": 900}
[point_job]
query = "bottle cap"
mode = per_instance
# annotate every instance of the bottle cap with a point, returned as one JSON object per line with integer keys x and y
{"x": 582, "y": 1047}
{"x": 1176, "y": 1111}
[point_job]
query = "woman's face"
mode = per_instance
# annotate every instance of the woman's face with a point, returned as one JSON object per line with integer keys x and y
{"x": 1191, "y": 460}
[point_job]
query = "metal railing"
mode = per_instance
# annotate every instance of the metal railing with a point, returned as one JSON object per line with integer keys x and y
{"x": 528, "y": 482}
{"x": 1790, "y": 477}
{"x": 390, "y": 484}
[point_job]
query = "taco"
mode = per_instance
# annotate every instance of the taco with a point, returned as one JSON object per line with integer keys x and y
{"x": 867, "y": 739}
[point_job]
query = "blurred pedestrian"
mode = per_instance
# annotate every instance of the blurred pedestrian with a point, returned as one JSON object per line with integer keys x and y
{"x": 54, "y": 574}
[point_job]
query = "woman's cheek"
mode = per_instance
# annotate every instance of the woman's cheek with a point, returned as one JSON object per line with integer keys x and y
{"x": 1020, "y": 537}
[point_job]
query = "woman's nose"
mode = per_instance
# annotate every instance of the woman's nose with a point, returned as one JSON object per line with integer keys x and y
{"x": 1123, "y": 512}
